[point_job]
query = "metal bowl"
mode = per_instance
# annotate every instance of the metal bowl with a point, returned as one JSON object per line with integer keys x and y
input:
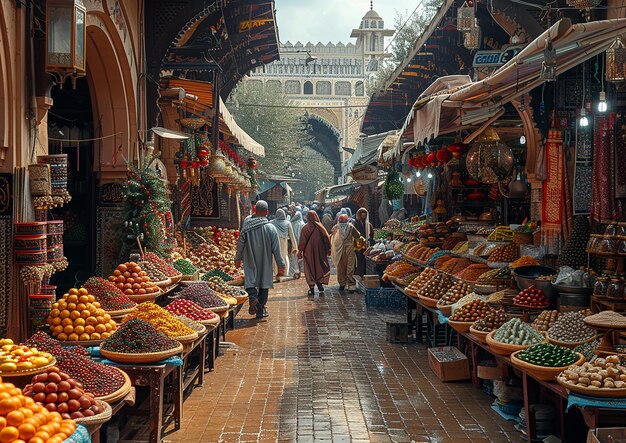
{"x": 572, "y": 289}
{"x": 526, "y": 276}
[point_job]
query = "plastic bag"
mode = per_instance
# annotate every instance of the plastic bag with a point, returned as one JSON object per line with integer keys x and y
{"x": 570, "y": 277}
{"x": 507, "y": 394}
{"x": 532, "y": 251}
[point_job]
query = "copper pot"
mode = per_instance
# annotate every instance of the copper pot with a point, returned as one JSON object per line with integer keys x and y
{"x": 486, "y": 216}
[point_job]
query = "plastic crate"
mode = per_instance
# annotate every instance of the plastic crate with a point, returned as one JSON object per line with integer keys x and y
{"x": 385, "y": 298}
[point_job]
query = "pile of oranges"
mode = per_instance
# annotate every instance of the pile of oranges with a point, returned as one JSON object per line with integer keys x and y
{"x": 24, "y": 421}
{"x": 132, "y": 280}
{"x": 77, "y": 316}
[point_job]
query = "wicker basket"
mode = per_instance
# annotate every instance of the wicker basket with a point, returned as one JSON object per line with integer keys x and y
{"x": 503, "y": 348}
{"x": 164, "y": 283}
{"x": 481, "y": 336}
{"x": 85, "y": 343}
{"x": 28, "y": 372}
{"x": 148, "y": 357}
{"x": 39, "y": 179}
{"x": 543, "y": 373}
{"x": 445, "y": 309}
{"x": 460, "y": 326}
{"x": 146, "y": 297}
{"x": 186, "y": 338}
{"x": 94, "y": 422}
{"x": 121, "y": 313}
{"x": 212, "y": 322}
{"x": 120, "y": 393}
{"x": 597, "y": 392}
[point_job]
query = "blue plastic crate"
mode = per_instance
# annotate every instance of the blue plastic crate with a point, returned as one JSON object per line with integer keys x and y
{"x": 385, "y": 298}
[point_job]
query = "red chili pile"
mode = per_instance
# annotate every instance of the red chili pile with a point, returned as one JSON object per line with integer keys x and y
{"x": 96, "y": 378}
{"x": 57, "y": 391}
{"x": 202, "y": 295}
{"x": 161, "y": 264}
{"x": 110, "y": 297}
{"x": 190, "y": 310}
{"x": 137, "y": 336}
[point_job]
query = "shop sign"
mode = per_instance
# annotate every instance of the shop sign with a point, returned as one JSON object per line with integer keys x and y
{"x": 249, "y": 24}
{"x": 485, "y": 59}
{"x": 6, "y": 181}
{"x": 111, "y": 194}
{"x": 365, "y": 174}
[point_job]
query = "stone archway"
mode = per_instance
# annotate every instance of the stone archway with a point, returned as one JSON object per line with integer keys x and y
{"x": 326, "y": 140}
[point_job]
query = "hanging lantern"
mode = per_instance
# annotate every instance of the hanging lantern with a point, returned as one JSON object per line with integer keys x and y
{"x": 548, "y": 66}
{"x": 65, "y": 39}
{"x": 216, "y": 166}
{"x": 457, "y": 148}
{"x": 616, "y": 62}
{"x": 471, "y": 38}
{"x": 465, "y": 18}
{"x": 489, "y": 160}
{"x": 431, "y": 160}
{"x": 443, "y": 156}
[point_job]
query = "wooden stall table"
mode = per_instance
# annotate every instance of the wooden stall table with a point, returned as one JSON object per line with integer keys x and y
{"x": 196, "y": 351}
{"x": 211, "y": 351}
{"x": 101, "y": 435}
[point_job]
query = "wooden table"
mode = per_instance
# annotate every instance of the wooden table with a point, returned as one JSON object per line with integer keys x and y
{"x": 194, "y": 357}
{"x": 211, "y": 351}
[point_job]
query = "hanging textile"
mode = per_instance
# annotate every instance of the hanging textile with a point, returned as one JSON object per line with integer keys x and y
{"x": 553, "y": 196}
{"x": 604, "y": 207}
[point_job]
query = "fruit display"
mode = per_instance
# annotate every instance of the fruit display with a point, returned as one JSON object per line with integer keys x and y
{"x": 225, "y": 238}
{"x": 424, "y": 276}
{"x": 491, "y": 321}
{"x": 569, "y": 327}
{"x": 545, "y": 320}
{"x": 531, "y": 298}
{"x": 473, "y": 272}
{"x": 137, "y": 336}
{"x": 396, "y": 269}
{"x": 101, "y": 380}
{"x": 436, "y": 286}
{"x": 110, "y": 297}
{"x": 57, "y": 391}
{"x": 465, "y": 300}
{"x": 184, "y": 266}
{"x": 130, "y": 278}
{"x": 163, "y": 266}
{"x": 161, "y": 319}
{"x": 21, "y": 358}
{"x": 23, "y": 420}
{"x": 77, "y": 316}
{"x": 455, "y": 293}
{"x": 549, "y": 355}
{"x": 191, "y": 310}
{"x": 503, "y": 274}
{"x": 153, "y": 271}
{"x": 217, "y": 273}
{"x": 501, "y": 233}
{"x": 503, "y": 253}
{"x": 202, "y": 295}
{"x": 573, "y": 253}
{"x": 432, "y": 231}
{"x": 421, "y": 253}
{"x": 601, "y": 374}
{"x": 524, "y": 261}
{"x": 455, "y": 265}
{"x": 472, "y": 311}
{"x": 516, "y": 332}
{"x": 226, "y": 291}
{"x": 450, "y": 243}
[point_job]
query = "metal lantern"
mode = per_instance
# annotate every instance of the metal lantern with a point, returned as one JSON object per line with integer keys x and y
{"x": 548, "y": 66}
{"x": 465, "y": 18}
{"x": 471, "y": 39}
{"x": 616, "y": 62}
{"x": 489, "y": 160}
{"x": 65, "y": 39}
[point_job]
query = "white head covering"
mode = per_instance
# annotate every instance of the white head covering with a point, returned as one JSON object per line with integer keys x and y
{"x": 281, "y": 224}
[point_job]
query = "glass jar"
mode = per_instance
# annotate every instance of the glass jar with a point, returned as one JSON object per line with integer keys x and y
{"x": 615, "y": 288}
{"x": 608, "y": 245}
{"x": 593, "y": 243}
{"x": 599, "y": 289}
{"x": 611, "y": 229}
{"x": 621, "y": 245}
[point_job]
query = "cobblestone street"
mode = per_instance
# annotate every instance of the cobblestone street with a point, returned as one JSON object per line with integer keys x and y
{"x": 320, "y": 370}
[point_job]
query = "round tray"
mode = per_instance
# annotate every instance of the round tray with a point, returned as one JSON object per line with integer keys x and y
{"x": 122, "y": 392}
{"x": 532, "y": 308}
{"x": 570, "y": 345}
{"x": 481, "y": 336}
{"x": 149, "y": 357}
{"x": 212, "y": 322}
{"x": 599, "y": 392}
{"x": 445, "y": 309}
{"x": 146, "y": 297}
{"x": 163, "y": 283}
{"x": 85, "y": 343}
{"x": 33, "y": 371}
{"x": 484, "y": 289}
{"x": 544, "y": 373}
{"x": 460, "y": 326}
{"x": 176, "y": 279}
{"x": 121, "y": 313}
{"x": 186, "y": 338}
{"x": 503, "y": 348}
{"x": 96, "y": 420}
{"x": 427, "y": 301}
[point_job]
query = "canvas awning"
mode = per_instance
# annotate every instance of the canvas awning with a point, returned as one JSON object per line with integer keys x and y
{"x": 448, "y": 105}
{"x": 366, "y": 152}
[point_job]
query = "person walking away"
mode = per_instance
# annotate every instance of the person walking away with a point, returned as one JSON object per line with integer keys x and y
{"x": 314, "y": 246}
{"x": 365, "y": 228}
{"x": 328, "y": 219}
{"x": 257, "y": 248}
{"x": 342, "y": 246}
{"x": 294, "y": 263}
{"x": 286, "y": 239}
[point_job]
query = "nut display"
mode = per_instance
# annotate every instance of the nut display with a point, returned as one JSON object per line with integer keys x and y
{"x": 425, "y": 275}
{"x": 163, "y": 266}
{"x": 455, "y": 293}
{"x": 435, "y": 287}
{"x": 545, "y": 320}
{"x": 57, "y": 391}
{"x": 153, "y": 271}
{"x": 531, "y": 298}
{"x": 132, "y": 280}
{"x": 570, "y": 327}
{"x": 21, "y": 358}
{"x": 137, "y": 336}
{"x": 602, "y": 373}
{"x": 503, "y": 253}
{"x": 110, "y": 297}
{"x": 548, "y": 355}
{"x": 491, "y": 321}
{"x": 77, "y": 316}
{"x": 472, "y": 311}
{"x": 158, "y": 317}
{"x": 516, "y": 332}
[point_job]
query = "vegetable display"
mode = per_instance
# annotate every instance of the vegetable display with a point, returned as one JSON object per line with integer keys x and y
{"x": 516, "y": 332}
{"x": 393, "y": 186}
{"x": 184, "y": 266}
{"x": 549, "y": 355}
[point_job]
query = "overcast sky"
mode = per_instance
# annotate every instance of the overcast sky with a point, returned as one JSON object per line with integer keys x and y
{"x": 331, "y": 20}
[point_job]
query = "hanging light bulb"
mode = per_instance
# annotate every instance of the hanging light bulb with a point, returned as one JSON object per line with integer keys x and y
{"x": 584, "y": 121}
{"x": 602, "y": 106}
{"x": 419, "y": 174}
{"x": 408, "y": 179}
{"x": 522, "y": 140}
{"x": 430, "y": 175}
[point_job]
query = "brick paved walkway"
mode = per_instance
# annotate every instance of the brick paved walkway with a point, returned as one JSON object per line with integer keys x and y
{"x": 320, "y": 370}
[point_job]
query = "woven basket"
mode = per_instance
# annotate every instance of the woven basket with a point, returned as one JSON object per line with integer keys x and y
{"x": 145, "y": 297}
{"x": 176, "y": 279}
{"x": 164, "y": 283}
{"x": 28, "y": 372}
{"x": 544, "y": 373}
{"x": 212, "y": 322}
{"x": 148, "y": 357}
{"x": 120, "y": 393}
{"x": 445, "y": 309}
{"x": 186, "y": 338}
{"x": 92, "y": 423}
{"x": 121, "y": 313}
{"x": 39, "y": 179}
{"x": 85, "y": 343}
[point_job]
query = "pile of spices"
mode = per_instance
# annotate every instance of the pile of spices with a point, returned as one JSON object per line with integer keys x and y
{"x": 473, "y": 272}
{"x": 217, "y": 273}
{"x": 162, "y": 320}
{"x": 138, "y": 337}
{"x": 184, "y": 266}
{"x": 108, "y": 295}
{"x": 153, "y": 271}
{"x": 192, "y": 324}
{"x": 163, "y": 266}
{"x": 202, "y": 295}
{"x": 219, "y": 285}
{"x": 96, "y": 378}
{"x": 190, "y": 310}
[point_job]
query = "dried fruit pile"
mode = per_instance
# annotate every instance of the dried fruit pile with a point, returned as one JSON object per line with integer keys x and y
{"x": 455, "y": 293}
{"x": 77, "y": 316}
{"x": 472, "y": 311}
{"x": 184, "y": 266}
{"x": 435, "y": 287}
{"x": 163, "y": 266}
{"x": 422, "y": 279}
{"x": 110, "y": 297}
{"x": 491, "y": 321}
{"x": 545, "y": 320}
{"x": 202, "y": 295}
{"x": 473, "y": 272}
{"x": 99, "y": 379}
{"x": 138, "y": 337}
{"x": 570, "y": 327}
{"x": 503, "y": 253}
{"x": 602, "y": 373}
{"x": 21, "y": 358}
{"x": 190, "y": 310}
{"x": 130, "y": 278}
{"x": 158, "y": 317}
{"x": 455, "y": 265}
{"x": 57, "y": 391}
{"x": 25, "y": 421}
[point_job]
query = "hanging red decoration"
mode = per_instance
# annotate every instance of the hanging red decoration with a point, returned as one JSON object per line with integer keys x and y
{"x": 431, "y": 160}
{"x": 443, "y": 156}
{"x": 457, "y": 148}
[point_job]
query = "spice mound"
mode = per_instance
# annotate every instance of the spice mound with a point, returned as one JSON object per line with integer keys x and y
{"x": 162, "y": 320}
{"x": 110, "y": 297}
{"x": 190, "y": 310}
{"x": 202, "y": 295}
{"x": 138, "y": 337}
{"x": 607, "y": 319}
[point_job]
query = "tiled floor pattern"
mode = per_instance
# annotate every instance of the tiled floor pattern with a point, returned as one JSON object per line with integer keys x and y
{"x": 320, "y": 369}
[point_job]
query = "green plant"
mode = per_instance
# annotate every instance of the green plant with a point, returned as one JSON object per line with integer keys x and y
{"x": 393, "y": 186}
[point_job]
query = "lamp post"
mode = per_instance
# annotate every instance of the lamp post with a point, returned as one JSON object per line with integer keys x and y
{"x": 65, "y": 39}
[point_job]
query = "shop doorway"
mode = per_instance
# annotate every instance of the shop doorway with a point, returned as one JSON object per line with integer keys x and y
{"x": 71, "y": 119}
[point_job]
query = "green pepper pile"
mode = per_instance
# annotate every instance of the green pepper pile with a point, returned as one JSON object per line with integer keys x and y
{"x": 548, "y": 355}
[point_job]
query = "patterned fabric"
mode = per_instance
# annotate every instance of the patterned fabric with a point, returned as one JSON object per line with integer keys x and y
{"x": 604, "y": 207}
{"x": 553, "y": 197}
